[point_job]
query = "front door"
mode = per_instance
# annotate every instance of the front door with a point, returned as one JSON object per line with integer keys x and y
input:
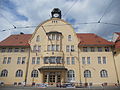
{"x": 52, "y": 77}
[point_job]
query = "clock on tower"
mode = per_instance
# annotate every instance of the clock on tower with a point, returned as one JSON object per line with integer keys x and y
{"x": 56, "y": 13}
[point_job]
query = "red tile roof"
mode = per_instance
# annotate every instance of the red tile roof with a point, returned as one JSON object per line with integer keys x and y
{"x": 90, "y": 39}
{"x": 16, "y": 40}
{"x": 117, "y": 42}
{"x": 86, "y": 39}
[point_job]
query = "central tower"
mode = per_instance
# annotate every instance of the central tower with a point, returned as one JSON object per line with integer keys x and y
{"x": 56, "y": 13}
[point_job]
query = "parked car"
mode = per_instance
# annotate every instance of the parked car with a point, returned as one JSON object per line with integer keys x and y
{"x": 1, "y": 83}
{"x": 68, "y": 85}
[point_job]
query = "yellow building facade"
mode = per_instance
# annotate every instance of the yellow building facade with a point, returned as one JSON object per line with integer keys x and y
{"x": 55, "y": 53}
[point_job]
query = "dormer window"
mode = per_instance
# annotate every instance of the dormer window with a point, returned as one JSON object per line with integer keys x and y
{"x": 69, "y": 38}
{"x": 38, "y": 38}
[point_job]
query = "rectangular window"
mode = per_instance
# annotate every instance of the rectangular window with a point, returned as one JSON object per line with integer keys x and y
{"x": 48, "y": 48}
{"x": 23, "y": 60}
{"x": 104, "y": 60}
{"x": 53, "y": 36}
{"x": 39, "y": 48}
{"x": 85, "y": 49}
{"x": 67, "y": 48}
{"x": 107, "y": 49}
{"x": 92, "y": 49}
{"x": 33, "y": 60}
{"x": 22, "y": 49}
{"x": 9, "y": 49}
{"x": 57, "y": 37}
{"x": 83, "y": 60}
{"x": 9, "y": 60}
{"x": 99, "y": 60}
{"x": 88, "y": 60}
{"x": 5, "y": 60}
{"x": 53, "y": 47}
{"x": 73, "y": 60}
{"x": 34, "y": 48}
{"x": 38, "y": 60}
{"x": 68, "y": 60}
{"x": 72, "y": 48}
{"x": 3, "y": 50}
{"x": 99, "y": 49}
{"x": 16, "y": 50}
{"x": 57, "y": 48}
{"x": 69, "y": 38}
{"x": 19, "y": 60}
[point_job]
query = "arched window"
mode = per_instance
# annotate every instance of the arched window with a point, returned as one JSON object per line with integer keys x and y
{"x": 34, "y": 73}
{"x": 38, "y": 38}
{"x": 103, "y": 73}
{"x": 87, "y": 73}
{"x": 71, "y": 75}
{"x": 19, "y": 73}
{"x": 4, "y": 73}
{"x": 69, "y": 38}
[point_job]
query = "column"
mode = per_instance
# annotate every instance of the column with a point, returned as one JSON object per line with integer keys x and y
{"x": 48, "y": 77}
{"x": 41, "y": 77}
{"x": 56, "y": 77}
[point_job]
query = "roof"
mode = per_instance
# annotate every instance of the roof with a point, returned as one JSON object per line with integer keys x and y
{"x": 16, "y": 40}
{"x": 86, "y": 39}
{"x": 90, "y": 39}
{"x": 117, "y": 42}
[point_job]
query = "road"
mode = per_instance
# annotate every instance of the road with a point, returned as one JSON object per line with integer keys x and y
{"x": 54, "y": 88}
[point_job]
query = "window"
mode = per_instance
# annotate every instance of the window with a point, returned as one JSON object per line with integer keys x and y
{"x": 73, "y": 60}
{"x": 16, "y": 50}
{"x": 53, "y": 36}
{"x": 85, "y": 49}
{"x": 33, "y": 60}
{"x": 38, "y": 38}
{"x": 69, "y": 38}
{"x": 58, "y": 37}
{"x": 4, "y": 73}
{"x": 83, "y": 60}
{"x": 19, "y": 60}
{"x": 99, "y": 60}
{"x": 38, "y": 60}
{"x": 9, "y": 49}
{"x": 5, "y": 60}
{"x": 23, "y": 60}
{"x": 88, "y": 60}
{"x": 103, "y": 73}
{"x": 3, "y": 50}
{"x": 67, "y": 48}
{"x": 99, "y": 49}
{"x": 92, "y": 49}
{"x": 48, "y": 48}
{"x": 57, "y": 48}
{"x": 19, "y": 73}
{"x": 71, "y": 75}
{"x": 68, "y": 60}
{"x": 22, "y": 49}
{"x": 104, "y": 60}
{"x": 53, "y": 47}
{"x": 107, "y": 49}
{"x": 72, "y": 48}
{"x": 34, "y": 73}
{"x": 87, "y": 74}
{"x": 9, "y": 60}
{"x": 39, "y": 48}
{"x": 34, "y": 48}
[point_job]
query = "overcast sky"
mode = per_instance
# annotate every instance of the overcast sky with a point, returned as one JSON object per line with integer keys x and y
{"x": 21, "y": 13}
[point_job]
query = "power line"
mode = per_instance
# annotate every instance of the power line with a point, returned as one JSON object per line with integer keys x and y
{"x": 105, "y": 12}
{"x": 70, "y": 7}
{"x": 110, "y": 23}
{"x": 8, "y": 20}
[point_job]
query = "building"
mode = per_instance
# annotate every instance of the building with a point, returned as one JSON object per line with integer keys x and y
{"x": 55, "y": 53}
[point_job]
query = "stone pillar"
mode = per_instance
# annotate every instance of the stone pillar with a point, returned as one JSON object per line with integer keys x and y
{"x": 56, "y": 77}
{"x": 47, "y": 77}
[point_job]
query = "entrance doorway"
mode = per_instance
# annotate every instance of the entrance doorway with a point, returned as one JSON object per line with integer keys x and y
{"x": 52, "y": 77}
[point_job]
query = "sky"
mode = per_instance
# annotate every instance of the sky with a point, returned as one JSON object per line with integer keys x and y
{"x": 22, "y": 13}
